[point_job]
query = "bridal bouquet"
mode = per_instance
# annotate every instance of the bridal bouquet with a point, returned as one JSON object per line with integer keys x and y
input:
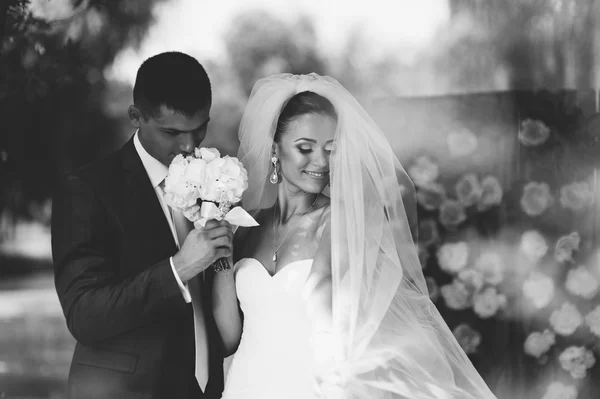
{"x": 214, "y": 181}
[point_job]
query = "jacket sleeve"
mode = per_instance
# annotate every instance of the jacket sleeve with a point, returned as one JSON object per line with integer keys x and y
{"x": 97, "y": 303}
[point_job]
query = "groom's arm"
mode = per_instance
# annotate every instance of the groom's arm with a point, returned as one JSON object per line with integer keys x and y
{"x": 99, "y": 304}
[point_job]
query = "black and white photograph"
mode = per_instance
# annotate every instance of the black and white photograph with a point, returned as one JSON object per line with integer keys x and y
{"x": 300, "y": 199}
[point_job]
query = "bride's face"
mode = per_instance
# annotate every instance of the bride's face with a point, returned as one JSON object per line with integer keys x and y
{"x": 304, "y": 150}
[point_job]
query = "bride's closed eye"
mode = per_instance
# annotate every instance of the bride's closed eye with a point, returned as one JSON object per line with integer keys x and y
{"x": 307, "y": 150}
{"x": 304, "y": 149}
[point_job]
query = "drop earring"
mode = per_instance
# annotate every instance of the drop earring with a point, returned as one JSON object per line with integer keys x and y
{"x": 274, "y": 178}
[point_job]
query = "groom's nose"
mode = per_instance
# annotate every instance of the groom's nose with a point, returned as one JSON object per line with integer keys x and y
{"x": 186, "y": 143}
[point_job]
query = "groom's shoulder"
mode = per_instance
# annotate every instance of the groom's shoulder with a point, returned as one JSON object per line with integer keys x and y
{"x": 103, "y": 169}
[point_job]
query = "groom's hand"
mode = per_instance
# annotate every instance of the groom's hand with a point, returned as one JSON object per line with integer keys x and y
{"x": 202, "y": 247}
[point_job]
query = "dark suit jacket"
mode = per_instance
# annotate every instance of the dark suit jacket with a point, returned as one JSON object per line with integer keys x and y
{"x": 111, "y": 245}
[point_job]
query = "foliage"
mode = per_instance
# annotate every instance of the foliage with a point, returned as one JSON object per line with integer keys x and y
{"x": 52, "y": 87}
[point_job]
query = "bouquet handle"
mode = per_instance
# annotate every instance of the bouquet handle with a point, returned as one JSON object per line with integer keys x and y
{"x": 221, "y": 265}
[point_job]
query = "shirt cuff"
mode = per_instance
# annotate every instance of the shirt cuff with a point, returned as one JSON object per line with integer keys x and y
{"x": 182, "y": 287}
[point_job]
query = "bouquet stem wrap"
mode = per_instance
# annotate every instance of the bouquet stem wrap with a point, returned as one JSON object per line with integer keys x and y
{"x": 236, "y": 217}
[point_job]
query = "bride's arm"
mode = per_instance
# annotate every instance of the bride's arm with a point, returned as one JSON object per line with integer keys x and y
{"x": 226, "y": 308}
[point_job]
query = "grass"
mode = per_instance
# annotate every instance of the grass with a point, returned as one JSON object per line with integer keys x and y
{"x": 35, "y": 345}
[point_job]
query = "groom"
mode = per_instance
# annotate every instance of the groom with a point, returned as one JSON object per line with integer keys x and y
{"x": 125, "y": 263}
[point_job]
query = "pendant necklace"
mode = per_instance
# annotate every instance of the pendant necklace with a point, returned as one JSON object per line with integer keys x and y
{"x": 291, "y": 228}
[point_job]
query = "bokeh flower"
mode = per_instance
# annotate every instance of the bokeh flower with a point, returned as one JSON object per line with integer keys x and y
{"x": 452, "y": 213}
{"x": 533, "y": 132}
{"x": 565, "y": 246}
{"x": 431, "y": 196}
{"x": 533, "y": 245}
{"x": 581, "y": 282}
{"x": 577, "y": 360}
{"x": 488, "y": 302}
{"x": 423, "y": 171}
{"x": 461, "y": 142}
{"x": 538, "y": 343}
{"x": 575, "y": 196}
{"x": 536, "y": 198}
{"x": 491, "y": 193}
{"x": 452, "y": 257}
{"x": 566, "y": 319}
{"x": 468, "y": 338}
{"x": 539, "y": 289}
{"x": 468, "y": 190}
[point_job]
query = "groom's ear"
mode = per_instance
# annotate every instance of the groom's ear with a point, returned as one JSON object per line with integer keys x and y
{"x": 135, "y": 116}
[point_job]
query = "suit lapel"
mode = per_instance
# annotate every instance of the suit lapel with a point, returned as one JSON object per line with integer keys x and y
{"x": 153, "y": 225}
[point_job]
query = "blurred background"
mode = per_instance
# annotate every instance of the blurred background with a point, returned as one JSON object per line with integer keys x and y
{"x": 492, "y": 106}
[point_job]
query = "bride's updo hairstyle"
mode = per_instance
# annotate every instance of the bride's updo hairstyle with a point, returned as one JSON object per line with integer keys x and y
{"x": 303, "y": 103}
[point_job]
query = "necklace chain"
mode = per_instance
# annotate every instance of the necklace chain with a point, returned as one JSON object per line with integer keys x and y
{"x": 291, "y": 228}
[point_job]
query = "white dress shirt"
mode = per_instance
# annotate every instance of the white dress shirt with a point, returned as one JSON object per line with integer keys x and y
{"x": 157, "y": 172}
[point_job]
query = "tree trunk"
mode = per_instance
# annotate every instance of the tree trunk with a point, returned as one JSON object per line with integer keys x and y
{"x": 3, "y": 9}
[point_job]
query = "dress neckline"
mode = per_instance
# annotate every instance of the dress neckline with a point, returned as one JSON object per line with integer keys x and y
{"x": 280, "y": 270}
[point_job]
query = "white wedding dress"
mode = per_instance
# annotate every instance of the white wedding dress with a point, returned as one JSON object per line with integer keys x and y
{"x": 274, "y": 359}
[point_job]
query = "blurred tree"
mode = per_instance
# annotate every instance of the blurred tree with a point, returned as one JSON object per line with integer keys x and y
{"x": 259, "y": 45}
{"x": 53, "y": 54}
{"x": 539, "y": 43}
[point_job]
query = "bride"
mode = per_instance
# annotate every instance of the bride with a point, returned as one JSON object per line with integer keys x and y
{"x": 326, "y": 297}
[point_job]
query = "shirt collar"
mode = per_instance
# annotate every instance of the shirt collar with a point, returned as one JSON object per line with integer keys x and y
{"x": 156, "y": 171}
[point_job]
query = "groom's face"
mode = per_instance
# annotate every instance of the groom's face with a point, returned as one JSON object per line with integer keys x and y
{"x": 168, "y": 133}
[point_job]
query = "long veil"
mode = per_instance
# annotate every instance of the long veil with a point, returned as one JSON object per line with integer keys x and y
{"x": 393, "y": 341}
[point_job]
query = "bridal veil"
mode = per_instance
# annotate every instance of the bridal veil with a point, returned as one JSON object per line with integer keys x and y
{"x": 393, "y": 341}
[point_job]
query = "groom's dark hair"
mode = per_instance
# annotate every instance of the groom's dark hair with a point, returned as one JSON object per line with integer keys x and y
{"x": 175, "y": 80}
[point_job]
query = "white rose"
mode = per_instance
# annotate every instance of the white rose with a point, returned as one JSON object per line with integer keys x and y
{"x": 192, "y": 213}
{"x": 592, "y": 320}
{"x": 558, "y": 390}
{"x": 533, "y": 245}
{"x": 176, "y": 176}
{"x": 491, "y": 193}
{"x": 182, "y": 202}
{"x": 213, "y": 169}
{"x": 536, "y": 198}
{"x": 423, "y": 171}
{"x": 486, "y": 303}
{"x": 234, "y": 176}
{"x": 456, "y": 295}
{"x": 177, "y": 166}
{"x": 575, "y": 196}
{"x": 577, "y": 360}
{"x": 210, "y": 191}
{"x": 538, "y": 343}
{"x": 539, "y": 289}
{"x": 472, "y": 278}
{"x": 581, "y": 282}
{"x": 565, "y": 246}
{"x": 461, "y": 142}
{"x": 566, "y": 319}
{"x": 491, "y": 266}
{"x": 452, "y": 213}
{"x": 468, "y": 190}
{"x": 207, "y": 154}
{"x": 428, "y": 232}
{"x": 468, "y": 338}
{"x": 431, "y": 196}
{"x": 195, "y": 173}
{"x": 433, "y": 288}
{"x": 452, "y": 257}
{"x": 533, "y": 132}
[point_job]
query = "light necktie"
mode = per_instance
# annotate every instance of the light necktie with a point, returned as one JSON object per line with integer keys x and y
{"x": 183, "y": 228}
